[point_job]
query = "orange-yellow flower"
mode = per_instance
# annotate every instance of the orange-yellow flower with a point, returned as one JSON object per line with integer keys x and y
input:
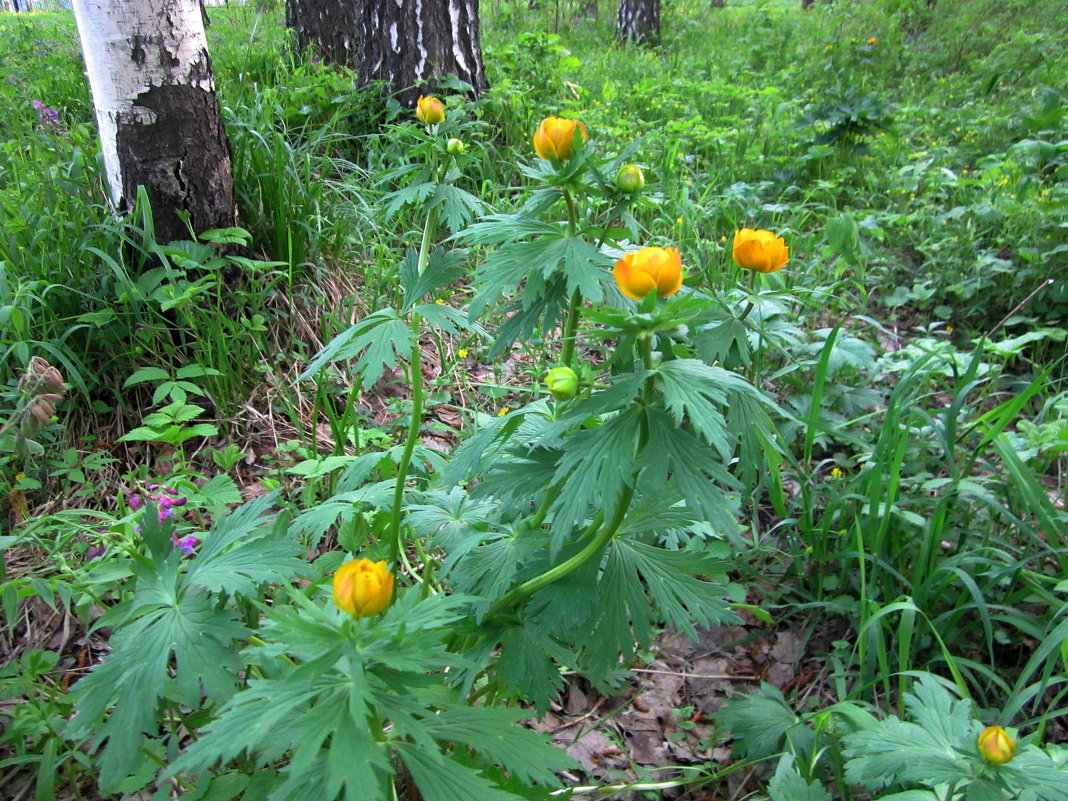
{"x": 760, "y": 250}
{"x": 362, "y": 587}
{"x": 555, "y": 137}
{"x": 996, "y": 746}
{"x": 651, "y": 268}
{"x": 429, "y": 110}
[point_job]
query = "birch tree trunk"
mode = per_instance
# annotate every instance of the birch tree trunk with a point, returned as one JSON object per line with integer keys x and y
{"x": 154, "y": 95}
{"x": 408, "y": 44}
{"x": 639, "y": 21}
{"x": 331, "y": 28}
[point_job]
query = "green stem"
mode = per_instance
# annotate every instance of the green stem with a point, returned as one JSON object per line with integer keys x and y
{"x": 415, "y": 378}
{"x": 574, "y": 308}
{"x": 568, "y": 566}
{"x": 574, "y": 311}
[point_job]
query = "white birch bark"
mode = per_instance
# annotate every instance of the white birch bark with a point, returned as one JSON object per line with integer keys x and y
{"x": 159, "y": 119}
{"x": 129, "y": 47}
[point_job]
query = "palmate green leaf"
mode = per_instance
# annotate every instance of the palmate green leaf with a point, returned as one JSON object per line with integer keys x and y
{"x": 442, "y": 268}
{"x": 244, "y": 550}
{"x": 456, "y": 207}
{"x": 449, "y": 517}
{"x": 341, "y": 508}
{"x": 494, "y": 733}
{"x": 483, "y": 446}
{"x": 695, "y": 391}
{"x": 260, "y": 719}
{"x": 789, "y": 785}
{"x": 415, "y": 194}
{"x": 595, "y": 467}
{"x": 448, "y": 319}
{"x": 136, "y": 675}
{"x": 519, "y": 480}
{"x": 898, "y": 751}
{"x": 541, "y": 310}
{"x": 525, "y": 668}
{"x": 761, "y": 721}
{"x": 949, "y": 720}
{"x": 440, "y": 778}
{"x": 539, "y": 260}
{"x": 1033, "y": 769}
{"x": 678, "y": 597}
{"x": 678, "y": 455}
{"x": 496, "y": 229}
{"x": 374, "y": 342}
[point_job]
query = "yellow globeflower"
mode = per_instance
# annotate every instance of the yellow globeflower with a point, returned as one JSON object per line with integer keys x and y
{"x": 760, "y": 250}
{"x": 555, "y": 137}
{"x": 429, "y": 110}
{"x": 996, "y": 746}
{"x": 362, "y": 587}
{"x": 651, "y": 268}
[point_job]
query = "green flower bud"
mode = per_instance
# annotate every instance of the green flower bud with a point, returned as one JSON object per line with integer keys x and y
{"x": 630, "y": 178}
{"x": 562, "y": 383}
{"x": 455, "y": 147}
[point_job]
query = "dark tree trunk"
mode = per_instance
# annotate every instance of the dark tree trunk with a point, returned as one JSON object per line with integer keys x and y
{"x": 331, "y": 28}
{"x": 718, "y": 4}
{"x": 182, "y": 159}
{"x": 409, "y": 46}
{"x": 639, "y": 21}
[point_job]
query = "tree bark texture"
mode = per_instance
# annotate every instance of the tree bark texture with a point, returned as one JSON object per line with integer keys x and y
{"x": 154, "y": 96}
{"x": 331, "y": 28}
{"x": 639, "y": 21}
{"x": 410, "y": 44}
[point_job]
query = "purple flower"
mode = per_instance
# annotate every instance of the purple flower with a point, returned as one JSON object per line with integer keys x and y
{"x": 187, "y": 543}
{"x": 96, "y": 551}
{"x": 38, "y": 104}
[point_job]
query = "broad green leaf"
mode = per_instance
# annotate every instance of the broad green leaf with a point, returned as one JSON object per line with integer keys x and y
{"x": 789, "y": 785}
{"x": 494, "y": 733}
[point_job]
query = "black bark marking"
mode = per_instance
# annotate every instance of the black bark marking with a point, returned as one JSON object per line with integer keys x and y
{"x": 157, "y": 155}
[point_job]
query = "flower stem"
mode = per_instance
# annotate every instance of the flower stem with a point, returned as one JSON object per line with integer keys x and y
{"x": 574, "y": 311}
{"x": 574, "y": 307}
{"x": 415, "y": 378}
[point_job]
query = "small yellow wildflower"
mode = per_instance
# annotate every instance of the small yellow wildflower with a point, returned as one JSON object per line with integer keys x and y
{"x": 503, "y": 412}
{"x": 837, "y": 472}
{"x": 950, "y": 329}
{"x": 440, "y": 302}
{"x": 462, "y": 353}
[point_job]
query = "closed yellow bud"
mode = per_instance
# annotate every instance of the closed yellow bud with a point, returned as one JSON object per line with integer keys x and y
{"x": 996, "y": 746}
{"x": 429, "y": 110}
{"x": 651, "y": 268}
{"x": 555, "y": 137}
{"x": 362, "y": 587}
{"x": 454, "y": 146}
{"x": 630, "y": 178}
{"x": 759, "y": 250}
{"x": 562, "y": 383}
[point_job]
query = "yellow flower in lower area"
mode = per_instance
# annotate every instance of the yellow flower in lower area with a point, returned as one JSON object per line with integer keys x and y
{"x": 362, "y": 587}
{"x": 651, "y": 268}
{"x": 759, "y": 250}
{"x": 996, "y": 746}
